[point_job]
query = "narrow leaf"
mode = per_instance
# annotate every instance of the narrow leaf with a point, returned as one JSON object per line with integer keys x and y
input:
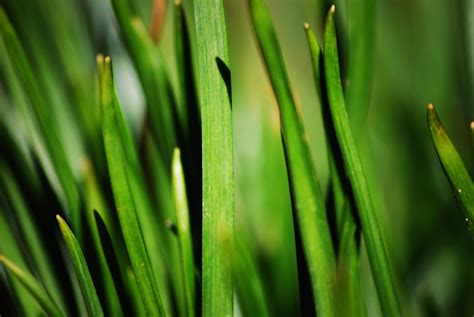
{"x": 308, "y": 202}
{"x": 124, "y": 202}
{"x": 82, "y": 271}
{"x": 453, "y": 166}
{"x": 217, "y": 158}
{"x": 370, "y": 227}
{"x": 33, "y": 286}
{"x": 184, "y": 233}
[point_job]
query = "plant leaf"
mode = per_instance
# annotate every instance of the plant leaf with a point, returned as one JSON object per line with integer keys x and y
{"x": 184, "y": 234}
{"x": 33, "y": 286}
{"x": 82, "y": 271}
{"x": 453, "y": 166}
{"x": 116, "y": 161}
{"x": 308, "y": 202}
{"x": 354, "y": 170}
{"x": 217, "y": 158}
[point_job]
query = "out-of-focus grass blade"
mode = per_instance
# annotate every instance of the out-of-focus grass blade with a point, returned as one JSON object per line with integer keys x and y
{"x": 361, "y": 37}
{"x": 126, "y": 288}
{"x": 184, "y": 234}
{"x": 33, "y": 286}
{"x": 9, "y": 247}
{"x": 308, "y": 202}
{"x": 471, "y": 126}
{"x": 370, "y": 227}
{"x": 82, "y": 271}
{"x": 36, "y": 251}
{"x": 124, "y": 202}
{"x": 217, "y": 158}
{"x": 349, "y": 283}
{"x": 248, "y": 284}
{"x": 48, "y": 127}
{"x": 453, "y": 166}
{"x": 150, "y": 67}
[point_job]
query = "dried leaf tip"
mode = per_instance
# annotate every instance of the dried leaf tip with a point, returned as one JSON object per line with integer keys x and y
{"x": 107, "y": 59}
{"x": 472, "y": 125}
{"x": 100, "y": 58}
{"x": 430, "y": 107}
{"x": 332, "y": 9}
{"x": 58, "y": 218}
{"x": 306, "y": 26}
{"x": 178, "y": 2}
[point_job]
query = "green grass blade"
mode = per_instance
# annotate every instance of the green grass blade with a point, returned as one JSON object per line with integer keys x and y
{"x": 33, "y": 286}
{"x": 48, "y": 127}
{"x": 349, "y": 282}
{"x": 184, "y": 233}
{"x": 217, "y": 158}
{"x": 370, "y": 227}
{"x": 124, "y": 202}
{"x": 471, "y": 127}
{"x": 82, "y": 271}
{"x": 36, "y": 251}
{"x": 361, "y": 37}
{"x": 453, "y": 166}
{"x": 308, "y": 202}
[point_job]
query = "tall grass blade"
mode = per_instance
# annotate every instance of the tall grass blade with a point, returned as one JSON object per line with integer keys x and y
{"x": 33, "y": 286}
{"x": 453, "y": 166}
{"x": 82, "y": 271}
{"x": 217, "y": 158}
{"x": 47, "y": 125}
{"x": 117, "y": 165}
{"x": 353, "y": 167}
{"x": 184, "y": 234}
{"x": 349, "y": 281}
{"x": 308, "y": 202}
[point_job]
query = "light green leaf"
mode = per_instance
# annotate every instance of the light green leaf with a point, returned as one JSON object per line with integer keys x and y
{"x": 308, "y": 202}
{"x": 353, "y": 166}
{"x": 217, "y": 158}
{"x": 453, "y": 166}
{"x": 80, "y": 268}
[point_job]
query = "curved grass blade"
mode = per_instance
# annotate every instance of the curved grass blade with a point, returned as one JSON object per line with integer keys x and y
{"x": 36, "y": 252}
{"x": 33, "y": 286}
{"x": 353, "y": 166}
{"x": 82, "y": 271}
{"x": 48, "y": 127}
{"x": 116, "y": 161}
{"x": 184, "y": 234}
{"x": 217, "y": 159}
{"x": 308, "y": 202}
{"x": 453, "y": 166}
{"x": 349, "y": 282}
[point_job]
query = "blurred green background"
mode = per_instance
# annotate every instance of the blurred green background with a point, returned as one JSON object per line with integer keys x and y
{"x": 424, "y": 52}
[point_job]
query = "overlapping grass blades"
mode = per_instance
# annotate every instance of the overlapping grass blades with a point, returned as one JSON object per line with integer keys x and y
{"x": 308, "y": 202}
{"x": 353, "y": 166}
{"x": 116, "y": 150}
{"x": 34, "y": 287}
{"x": 461, "y": 183}
{"x": 217, "y": 159}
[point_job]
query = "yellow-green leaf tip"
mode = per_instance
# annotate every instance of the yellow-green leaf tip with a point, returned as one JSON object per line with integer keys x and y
{"x": 306, "y": 26}
{"x": 430, "y": 107}
{"x": 332, "y": 9}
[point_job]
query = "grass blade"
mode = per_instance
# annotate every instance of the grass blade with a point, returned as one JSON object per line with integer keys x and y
{"x": 217, "y": 158}
{"x": 82, "y": 271}
{"x": 33, "y": 286}
{"x": 349, "y": 282}
{"x": 353, "y": 166}
{"x": 308, "y": 202}
{"x": 48, "y": 127}
{"x": 453, "y": 166}
{"x": 184, "y": 233}
{"x": 124, "y": 202}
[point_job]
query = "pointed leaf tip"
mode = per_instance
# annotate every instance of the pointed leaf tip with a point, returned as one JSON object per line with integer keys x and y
{"x": 332, "y": 9}
{"x": 306, "y": 26}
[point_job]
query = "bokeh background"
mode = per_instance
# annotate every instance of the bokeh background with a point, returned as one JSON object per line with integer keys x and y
{"x": 423, "y": 52}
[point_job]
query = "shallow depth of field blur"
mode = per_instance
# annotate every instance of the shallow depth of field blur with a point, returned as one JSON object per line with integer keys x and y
{"x": 424, "y": 52}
